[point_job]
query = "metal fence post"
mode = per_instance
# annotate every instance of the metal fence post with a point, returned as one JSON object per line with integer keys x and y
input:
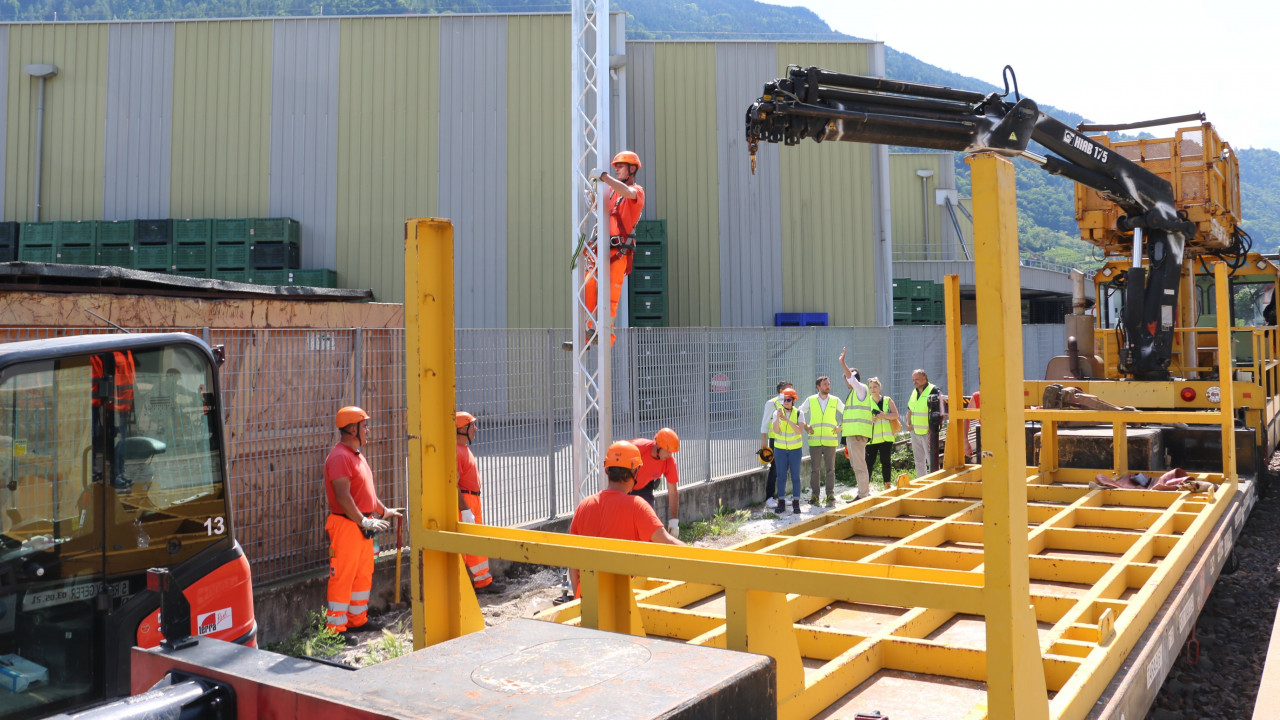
{"x": 207, "y": 335}
{"x": 549, "y": 397}
{"x": 357, "y": 367}
{"x": 706, "y": 395}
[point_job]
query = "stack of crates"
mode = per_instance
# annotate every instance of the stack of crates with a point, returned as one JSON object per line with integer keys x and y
{"x": 77, "y": 242}
{"x": 8, "y": 241}
{"x": 193, "y": 248}
{"x": 647, "y": 294}
{"x": 231, "y": 250}
{"x": 274, "y": 250}
{"x": 917, "y": 302}
{"x": 319, "y": 278}
{"x": 115, "y": 243}
{"x": 153, "y": 245}
{"x": 38, "y": 242}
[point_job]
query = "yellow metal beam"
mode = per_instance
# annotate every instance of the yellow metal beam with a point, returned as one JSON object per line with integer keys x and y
{"x": 953, "y": 453}
{"x": 1226, "y": 370}
{"x": 1016, "y": 682}
{"x": 608, "y": 603}
{"x": 444, "y": 604}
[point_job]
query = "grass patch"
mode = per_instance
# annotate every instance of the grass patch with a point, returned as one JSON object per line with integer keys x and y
{"x": 725, "y": 521}
{"x": 311, "y": 638}
{"x": 769, "y": 515}
{"x": 389, "y": 646}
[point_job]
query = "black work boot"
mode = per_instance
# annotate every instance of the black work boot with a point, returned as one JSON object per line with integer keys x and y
{"x": 795, "y": 505}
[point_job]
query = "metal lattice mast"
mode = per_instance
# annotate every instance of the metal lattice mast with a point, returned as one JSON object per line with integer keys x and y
{"x": 592, "y": 386}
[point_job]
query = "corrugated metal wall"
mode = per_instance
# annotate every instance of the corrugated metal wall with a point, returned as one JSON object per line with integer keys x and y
{"x": 827, "y": 225}
{"x": 472, "y": 163}
{"x": 75, "y": 105}
{"x": 4, "y": 116}
{"x": 536, "y": 173}
{"x": 389, "y": 84}
{"x": 139, "y": 121}
{"x": 750, "y": 205}
{"x": 221, "y": 119}
{"x": 914, "y": 200}
{"x": 304, "y": 132}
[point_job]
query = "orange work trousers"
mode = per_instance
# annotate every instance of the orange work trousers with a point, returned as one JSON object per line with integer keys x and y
{"x": 350, "y": 574}
{"x": 617, "y": 275}
{"x": 477, "y": 567}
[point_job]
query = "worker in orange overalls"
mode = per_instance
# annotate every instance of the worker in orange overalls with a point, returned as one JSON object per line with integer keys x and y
{"x": 117, "y": 397}
{"x": 614, "y": 512}
{"x": 355, "y": 516}
{"x": 469, "y": 501}
{"x": 624, "y": 202}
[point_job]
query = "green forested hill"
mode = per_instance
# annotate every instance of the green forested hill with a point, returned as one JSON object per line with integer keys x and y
{"x": 1045, "y": 202}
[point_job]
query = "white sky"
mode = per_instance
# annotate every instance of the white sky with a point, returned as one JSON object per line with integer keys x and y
{"x": 1113, "y": 62}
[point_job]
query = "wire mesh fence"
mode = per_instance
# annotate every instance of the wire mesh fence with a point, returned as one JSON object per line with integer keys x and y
{"x": 281, "y": 388}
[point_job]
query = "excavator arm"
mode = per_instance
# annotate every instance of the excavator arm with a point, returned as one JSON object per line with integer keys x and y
{"x": 824, "y": 105}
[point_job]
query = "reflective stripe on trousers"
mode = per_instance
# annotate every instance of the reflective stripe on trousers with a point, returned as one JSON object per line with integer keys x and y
{"x": 350, "y": 574}
{"x": 477, "y": 566}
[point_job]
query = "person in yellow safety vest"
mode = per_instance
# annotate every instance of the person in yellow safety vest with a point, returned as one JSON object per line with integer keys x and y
{"x": 883, "y": 413}
{"x": 469, "y": 501}
{"x": 857, "y": 425}
{"x": 918, "y": 420}
{"x": 820, "y": 413}
{"x": 767, "y": 441}
{"x": 788, "y": 443}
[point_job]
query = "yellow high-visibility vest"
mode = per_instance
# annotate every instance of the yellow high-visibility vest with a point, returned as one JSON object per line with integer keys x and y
{"x": 919, "y": 407}
{"x": 857, "y": 415}
{"x": 788, "y": 438}
{"x": 825, "y": 425}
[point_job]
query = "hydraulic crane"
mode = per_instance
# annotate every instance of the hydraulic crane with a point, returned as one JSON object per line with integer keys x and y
{"x": 824, "y": 105}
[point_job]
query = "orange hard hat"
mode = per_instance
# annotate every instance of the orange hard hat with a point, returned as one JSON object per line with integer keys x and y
{"x": 350, "y": 415}
{"x": 624, "y": 455}
{"x": 791, "y": 393}
{"x": 462, "y": 419}
{"x": 668, "y": 440}
{"x": 628, "y": 157}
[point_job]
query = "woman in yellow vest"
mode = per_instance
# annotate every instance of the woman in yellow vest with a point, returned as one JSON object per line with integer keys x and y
{"x": 883, "y": 414}
{"x": 787, "y": 448}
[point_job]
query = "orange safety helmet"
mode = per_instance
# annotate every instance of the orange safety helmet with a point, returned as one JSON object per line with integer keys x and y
{"x": 628, "y": 157}
{"x": 463, "y": 419}
{"x": 791, "y": 393}
{"x": 623, "y": 454}
{"x": 668, "y": 440}
{"x": 350, "y": 415}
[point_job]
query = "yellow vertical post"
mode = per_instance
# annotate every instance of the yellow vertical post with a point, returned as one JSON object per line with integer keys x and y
{"x": 608, "y": 603}
{"x": 1048, "y": 446}
{"x": 444, "y": 605}
{"x": 760, "y": 622}
{"x": 1226, "y": 370}
{"x": 953, "y": 454}
{"x": 1120, "y": 448}
{"x": 1015, "y": 672}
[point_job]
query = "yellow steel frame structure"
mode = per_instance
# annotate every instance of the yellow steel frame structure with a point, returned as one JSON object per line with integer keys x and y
{"x": 1065, "y": 575}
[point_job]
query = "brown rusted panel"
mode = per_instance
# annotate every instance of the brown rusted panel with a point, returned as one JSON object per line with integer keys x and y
{"x": 1093, "y": 448}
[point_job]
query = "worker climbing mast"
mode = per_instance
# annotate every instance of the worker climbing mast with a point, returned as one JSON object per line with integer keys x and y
{"x": 592, "y": 425}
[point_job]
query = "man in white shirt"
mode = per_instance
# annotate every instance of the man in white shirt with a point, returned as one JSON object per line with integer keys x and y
{"x": 857, "y": 425}
{"x": 820, "y": 415}
{"x": 770, "y": 407}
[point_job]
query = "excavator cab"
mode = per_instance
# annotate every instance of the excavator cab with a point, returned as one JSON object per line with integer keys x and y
{"x": 111, "y": 463}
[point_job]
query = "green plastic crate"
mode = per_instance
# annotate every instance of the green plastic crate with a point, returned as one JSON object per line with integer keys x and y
{"x": 78, "y": 233}
{"x": 651, "y": 256}
{"x": 192, "y": 255}
{"x": 649, "y": 321}
{"x": 269, "y": 230}
{"x": 269, "y": 277}
{"x": 648, "y": 304}
{"x": 232, "y": 230}
{"x": 648, "y": 280}
{"x": 115, "y": 232}
{"x": 192, "y": 231}
{"x": 153, "y": 257}
{"x": 37, "y": 253}
{"x": 115, "y": 255}
{"x": 37, "y": 234}
{"x": 240, "y": 276}
{"x": 321, "y": 277}
{"x": 77, "y": 255}
{"x": 652, "y": 231}
{"x": 234, "y": 255}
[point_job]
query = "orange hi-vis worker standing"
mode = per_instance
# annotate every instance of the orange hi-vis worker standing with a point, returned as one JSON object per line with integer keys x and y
{"x": 353, "y": 505}
{"x": 469, "y": 501}
{"x": 625, "y": 202}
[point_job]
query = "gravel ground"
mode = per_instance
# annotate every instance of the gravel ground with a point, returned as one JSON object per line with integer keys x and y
{"x": 1233, "y": 630}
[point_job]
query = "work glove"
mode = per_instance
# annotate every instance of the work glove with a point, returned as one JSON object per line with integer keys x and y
{"x": 374, "y": 524}
{"x": 393, "y": 513}
{"x": 673, "y": 526}
{"x": 468, "y": 516}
